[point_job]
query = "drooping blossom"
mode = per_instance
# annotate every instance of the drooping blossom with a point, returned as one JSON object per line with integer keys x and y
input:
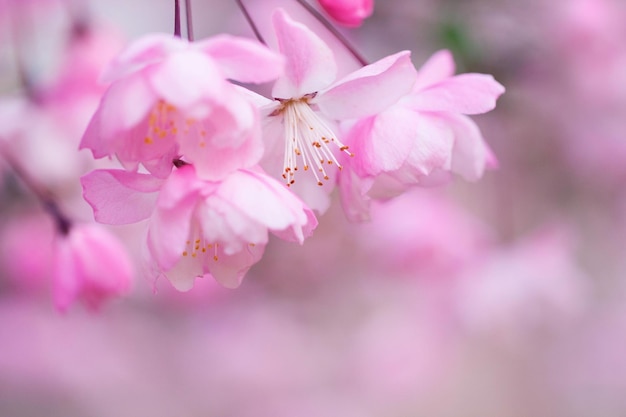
{"x": 300, "y": 131}
{"x": 349, "y": 13}
{"x": 170, "y": 97}
{"x": 199, "y": 227}
{"x": 89, "y": 265}
{"x": 422, "y": 138}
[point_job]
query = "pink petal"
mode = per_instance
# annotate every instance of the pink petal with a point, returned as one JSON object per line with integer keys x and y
{"x": 265, "y": 201}
{"x": 243, "y": 60}
{"x": 143, "y": 52}
{"x": 232, "y": 140}
{"x": 354, "y": 199}
{"x": 120, "y": 197}
{"x": 170, "y": 224}
{"x": 65, "y": 275}
{"x": 310, "y": 63}
{"x": 125, "y": 104}
{"x": 383, "y": 142}
{"x": 181, "y": 185}
{"x": 229, "y": 270}
{"x": 438, "y": 67}
{"x": 186, "y": 79}
{"x": 225, "y": 223}
{"x": 431, "y": 149}
{"x": 370, "y": 89}
{"x": 466, "y": 93}
{"x": 471, "y": 153}
{"x": 91, "y": 264}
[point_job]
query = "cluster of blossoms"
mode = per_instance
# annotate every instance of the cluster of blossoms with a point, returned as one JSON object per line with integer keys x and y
{"x": 214, "y": 167}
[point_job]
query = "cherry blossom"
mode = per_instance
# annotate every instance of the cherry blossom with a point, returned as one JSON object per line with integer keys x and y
{"x": 90, "y": 265}
{"x": 422, "y": 138}
{"x": 170, "y": 97}
{"x": 198, "y": 227}
{"x": 300, "y": 129}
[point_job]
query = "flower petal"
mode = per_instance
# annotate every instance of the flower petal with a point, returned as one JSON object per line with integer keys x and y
{"x": 231, "y": 140}
{"x": 124, "y": 105}
{"x": 471, "y": 154}
{"x": 90, "y": 264}
{"x": 187, "y": 78}
{"x": 310, "y": 63}
{"x": 141, "y": 53}
{"x": 170, "y": 223}
{"x": 242, "y": 59}
{"x": 466, "y": 93}
{"x": 383, "y": 142}
{"x": 266, "y": 201}
{"x": 438, "y": 67}
{"x": 120, "y": 197}
{"x": 229, "y": 270}
{"x": 370, "y": 89}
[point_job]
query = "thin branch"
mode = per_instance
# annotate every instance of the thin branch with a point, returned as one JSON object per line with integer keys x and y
{"x": 189, "y": 20}
{"x": 344, "y": 41}
{"x": 176, "y": 18}
{"x": 44, "y": 196}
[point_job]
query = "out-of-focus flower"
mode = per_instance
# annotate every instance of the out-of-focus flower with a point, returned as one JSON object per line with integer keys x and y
{"x": 422, "y": 138}
{"x": 349, "y": 13}
{"x": 170, "y": 96}
{"x": 300, "y": 130}
{"x": 26, "y": 265}
{"x": 199, "y": 227}
{"x": 89, "y": 265}
{"x": 423, "y": 234}
{"x": 517, "y": 292}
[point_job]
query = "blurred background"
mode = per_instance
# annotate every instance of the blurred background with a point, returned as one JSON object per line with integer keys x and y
{"x": 505, "y": 297}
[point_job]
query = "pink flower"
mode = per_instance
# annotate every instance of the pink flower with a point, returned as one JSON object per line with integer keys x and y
{"x": 421, "y": 138}
{"x": 524, "y": 290}
{"x": 90, "y": 265}
{"x": 348, "y": 12}
{"x": 300, "y": 130}
{"x": 199, "y": 227}
{"x": 171, "y": 97}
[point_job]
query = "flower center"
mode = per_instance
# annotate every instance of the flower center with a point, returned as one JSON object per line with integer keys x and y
{"x": 307, "y": 139}
{"x": 199, "y": 247}
{"x": 166, "y": 121}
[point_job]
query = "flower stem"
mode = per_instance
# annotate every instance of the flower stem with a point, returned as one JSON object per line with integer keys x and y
{"x": 189, "y": 20}
{"x": 44, "y": 196}
{"x": 176, "y": 19}
{"x": 332, "y": 29}
{"x": 246, "y": 14}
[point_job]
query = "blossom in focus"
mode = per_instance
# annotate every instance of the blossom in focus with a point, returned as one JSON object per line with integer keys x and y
{"x": 422, "y": 138}
{"x": 170, "y": 97}
{"x": 300, "y": 129}
{"x": 90, "y": 265}
{"x": 199, "y": 227}
{"x": 349, "y": 13}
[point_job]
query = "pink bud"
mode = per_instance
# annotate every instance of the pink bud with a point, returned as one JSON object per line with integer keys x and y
{"x": 90, "y": 264}
{"x": 349, "y": 13}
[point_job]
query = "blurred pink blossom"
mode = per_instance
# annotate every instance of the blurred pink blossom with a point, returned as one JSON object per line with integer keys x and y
{"x": 517, "y": 293}
{"x": 89, "y": 265}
